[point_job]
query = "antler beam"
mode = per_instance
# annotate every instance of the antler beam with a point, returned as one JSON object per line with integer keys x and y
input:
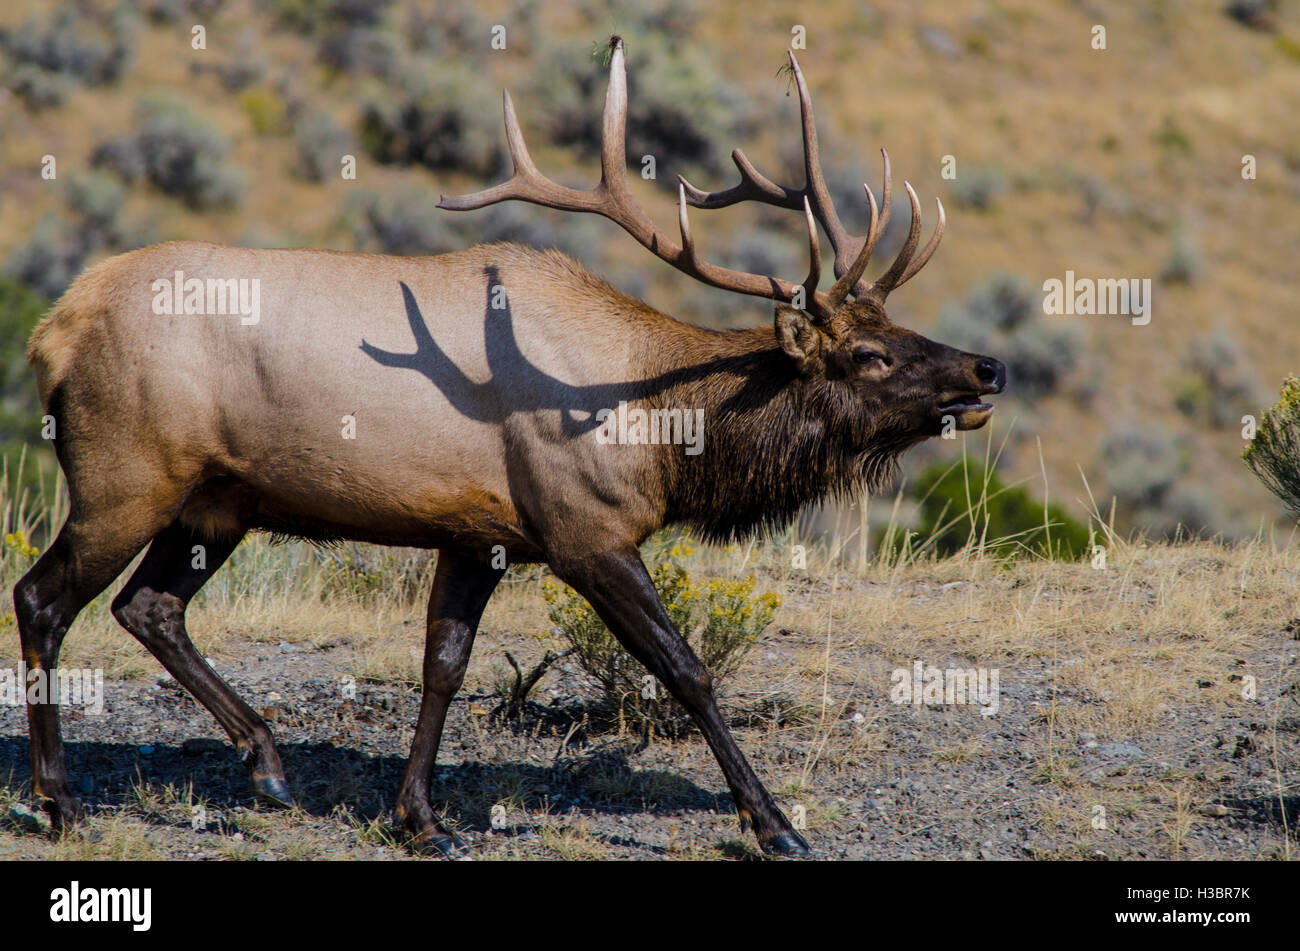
{"x": 612, "y": 198}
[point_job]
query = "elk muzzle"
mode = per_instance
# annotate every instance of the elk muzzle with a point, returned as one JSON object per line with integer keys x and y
{"x": 966, "y": 407}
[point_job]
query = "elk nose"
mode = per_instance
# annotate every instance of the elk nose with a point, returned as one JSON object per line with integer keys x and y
{"x": 991, "y": 373}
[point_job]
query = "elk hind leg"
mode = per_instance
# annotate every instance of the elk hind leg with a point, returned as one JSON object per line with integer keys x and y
{"x": 152, "y": 608}
{"x": 87, "y": 555}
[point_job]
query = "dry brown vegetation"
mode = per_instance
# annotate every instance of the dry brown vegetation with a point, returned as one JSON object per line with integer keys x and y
{"x": 1124, "y": 689}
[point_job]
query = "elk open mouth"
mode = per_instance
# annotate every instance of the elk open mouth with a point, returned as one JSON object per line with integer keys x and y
{"x": 967, "y": 410}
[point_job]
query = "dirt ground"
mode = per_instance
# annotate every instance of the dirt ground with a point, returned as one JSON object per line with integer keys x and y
{"x": 1147, "y": 711}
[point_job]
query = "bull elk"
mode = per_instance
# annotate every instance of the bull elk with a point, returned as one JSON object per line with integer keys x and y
{"x": 176, "y": 431}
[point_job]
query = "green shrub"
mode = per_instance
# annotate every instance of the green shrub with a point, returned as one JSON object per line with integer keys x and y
{"x": 20, "y": 411}
{"x": 265, "y": 109}
{"x": 720, "y": 619}
{"x": 369, "y": 575}
{"x": 968, "y": 504}
{"x": 1274, "y": 454}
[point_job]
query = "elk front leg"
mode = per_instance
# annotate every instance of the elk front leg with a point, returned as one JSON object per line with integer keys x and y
{"x": 462, "y": 585}
{"x": 620, "y": 590}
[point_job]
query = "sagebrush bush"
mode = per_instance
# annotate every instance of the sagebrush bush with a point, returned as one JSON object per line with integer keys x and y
{"x": 57, "y": 248}
{"x": 667, "y": 20}
{"x": 978, "y": 187}
{"x": 407, "y": 221}
{"x": 438, "y": 114}
{"x": 1274, "y": 454}
{"x": 720, "y": 619}
{"x": 1183, "y": 265}
{"x": 38, "y": 88}
{"x": 321, "y": 145}
{"x": 1141, "y": 465}
{"x": 50, "y": 257}
{"x": 1146, "y": 471}
{"x": 681, "y": 108}
{"x": 76, "y": 43}
{"x": 176, "y": 151}
{"x": 313, "y": 16}
{"x": 402, "y": 221}
{"x": 96, "y": 200}
{"x": 1218, "y": 386}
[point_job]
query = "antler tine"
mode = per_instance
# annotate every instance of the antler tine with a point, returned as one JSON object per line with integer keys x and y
{"x": 527, "y": 183}
{"x": 814, "y": 253}
{"x": 920, "y": 260}
{"x": 754, "y": 186}
{"x": 851, "y": 279}
{"x": 881, "y": 287}
{"x": 815, "y": 182}
{"x": 683, "y": 223}
{"x": 612, "y": 198}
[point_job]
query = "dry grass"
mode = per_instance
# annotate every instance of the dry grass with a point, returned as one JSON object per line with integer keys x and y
{"x": 1155, "y": 649}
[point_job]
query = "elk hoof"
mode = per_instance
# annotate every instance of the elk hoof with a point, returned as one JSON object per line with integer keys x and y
{"x": 438, "y": 842}
{"x": 273, "y": 791}
{"x": 64, "y": 810}
{"x": 786, "y": 845}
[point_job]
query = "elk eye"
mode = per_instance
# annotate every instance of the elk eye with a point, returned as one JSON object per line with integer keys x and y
{"x": 866, "y": 356}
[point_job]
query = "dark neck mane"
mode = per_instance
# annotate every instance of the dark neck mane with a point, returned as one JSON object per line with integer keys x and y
{"x": 773, "y": 443}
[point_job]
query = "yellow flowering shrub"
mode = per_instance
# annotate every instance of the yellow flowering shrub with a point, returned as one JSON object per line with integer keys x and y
{"x": 17, "y": 542}
{"x": 720, "y": 618}
{"x": 1274, "y": 453}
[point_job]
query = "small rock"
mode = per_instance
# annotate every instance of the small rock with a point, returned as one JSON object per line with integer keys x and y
{"x": 200, "y": 746}
{"x": 287, "y": 648}
{"x": 28, "y": 820}
{"x": 1120, "y": 751}
{"x": 937, "y": 39}
{"x": 266, "y": 857}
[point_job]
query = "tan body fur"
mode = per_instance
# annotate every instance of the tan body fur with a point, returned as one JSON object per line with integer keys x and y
{"x": 245, "y": 422}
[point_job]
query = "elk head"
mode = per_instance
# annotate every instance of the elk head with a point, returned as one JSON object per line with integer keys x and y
{"x": 840, "y": 340}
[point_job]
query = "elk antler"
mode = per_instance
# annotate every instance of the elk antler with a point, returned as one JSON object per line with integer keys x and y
{"x": 612, "y": 198}
{"x": 851, "y": 252}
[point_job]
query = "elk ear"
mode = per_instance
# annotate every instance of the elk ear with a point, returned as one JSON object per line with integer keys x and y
{"x": 798, "y": 336}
